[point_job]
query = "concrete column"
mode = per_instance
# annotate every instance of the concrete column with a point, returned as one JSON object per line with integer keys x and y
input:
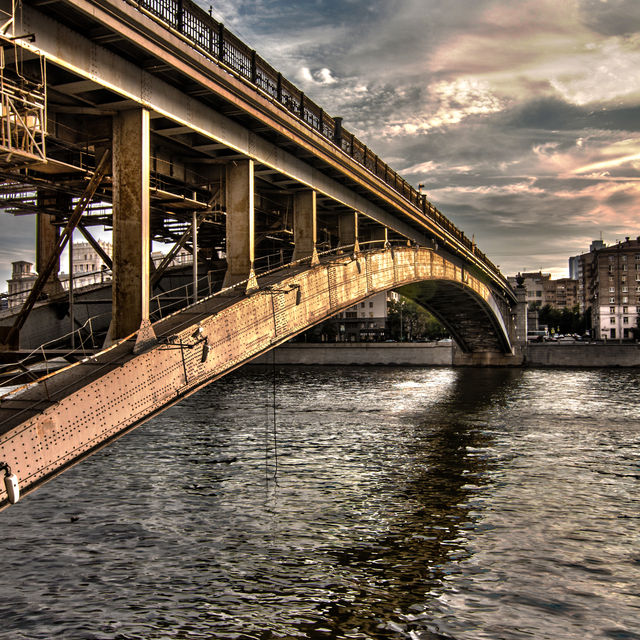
{"x": 47, "y": 235}
{"x": 240, "y": 224}
{"x": 348, "y": 230}
{"x": 520, "y": 312}
{"x": 131, "y": 227}
{"x": 305, "y": 229}
{"x": 379, "y": 234}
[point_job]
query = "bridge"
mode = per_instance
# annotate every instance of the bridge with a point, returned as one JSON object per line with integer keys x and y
{"x": 152, "y": 119}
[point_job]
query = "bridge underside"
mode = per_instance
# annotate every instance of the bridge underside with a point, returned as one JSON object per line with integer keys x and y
{"x": 471, "y": 320}
{"x": 52, "y": 424}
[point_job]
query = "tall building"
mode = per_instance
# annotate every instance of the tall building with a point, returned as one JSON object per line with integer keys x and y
{"x": 88, "y": 266}
{"x": 610, "y": 287}
{"x": 20, "y": 283}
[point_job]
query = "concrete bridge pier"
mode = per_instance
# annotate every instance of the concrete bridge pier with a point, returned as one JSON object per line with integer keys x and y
{"x": 47, "y": 235}
{"x": 305, "y": 226}
{"x": 348, "y": 230}
{"x": 131, "y": 226}
{"x": 240, "y": 225}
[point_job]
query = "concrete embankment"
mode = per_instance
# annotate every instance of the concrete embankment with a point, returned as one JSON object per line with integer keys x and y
{"x": 429, "y": 354}
{"x": 346, "y": 353}
{"x": 583, "y": 355}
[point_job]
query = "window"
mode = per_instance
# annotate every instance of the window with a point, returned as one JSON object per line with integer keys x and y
{"x": 612, "y": 299}
{"x": 624, "y": 258}
{"x": 625, "y": 309}
{"x": 612, "y": 309}
{"x": 625, "y": 289}
{"x": 538, "y": 294}
{"x": 610, "y": 268}
{"x": 371, "y": 305}
{"x": 362, "y": 305}
{"x": 612, "y": 320}
{"x": 624, "y": 267}
{"x": 625, "y": 298}
{"x": 625, "y": 320}
{"x": 610, "y": 258}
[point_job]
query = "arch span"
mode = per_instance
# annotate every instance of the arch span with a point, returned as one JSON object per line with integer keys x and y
{"x": 49, "y": 425}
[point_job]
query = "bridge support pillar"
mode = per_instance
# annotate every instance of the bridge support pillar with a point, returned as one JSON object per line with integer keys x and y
{"x": 520, "y": 322}
{"x": 131, "y": 228}
{"x": 380, "y": 234}
{"x": 348, "y": 230}
{"x": 305, "y": 226}
{"x": 240, "y": 224}
{"x": 47, "y": 235}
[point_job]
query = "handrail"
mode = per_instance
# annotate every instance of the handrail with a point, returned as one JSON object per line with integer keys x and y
{"x": 211, "y": 37}
{"x": 86, "y": 345}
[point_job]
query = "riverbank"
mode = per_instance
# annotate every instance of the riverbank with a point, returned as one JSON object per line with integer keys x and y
{"x": 435, "y": 354}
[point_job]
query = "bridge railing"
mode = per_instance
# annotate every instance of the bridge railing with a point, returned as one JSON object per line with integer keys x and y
{"x": 36, "y": 365}
{"x": 212, "y": 38}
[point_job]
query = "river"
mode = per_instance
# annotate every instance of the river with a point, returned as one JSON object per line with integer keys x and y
{"x": 373, "y": 502}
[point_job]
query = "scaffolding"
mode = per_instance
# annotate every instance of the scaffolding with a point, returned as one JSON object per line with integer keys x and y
{"x": 23, "y": 114}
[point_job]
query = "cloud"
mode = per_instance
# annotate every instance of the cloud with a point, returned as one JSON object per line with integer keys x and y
{"x": 322, "y": 76}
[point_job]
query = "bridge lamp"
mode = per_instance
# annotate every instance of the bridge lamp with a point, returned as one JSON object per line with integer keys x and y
{"x": 292, "y": 287}
{"x": 10, "y": 483}
{"x": 199, "y": 336}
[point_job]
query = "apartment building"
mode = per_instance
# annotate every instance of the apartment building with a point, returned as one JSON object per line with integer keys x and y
{"x": 541, "y": 290}
{"x": 610, "y": 287}
{"x": 366, "y": 320}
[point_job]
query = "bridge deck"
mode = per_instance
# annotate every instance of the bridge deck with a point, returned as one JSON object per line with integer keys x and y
{"x": 16, "y": 408}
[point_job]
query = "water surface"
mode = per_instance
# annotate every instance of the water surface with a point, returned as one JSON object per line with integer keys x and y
{"x": 383, "y": 503}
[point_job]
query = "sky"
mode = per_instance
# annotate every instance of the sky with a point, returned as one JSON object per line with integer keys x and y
{"x": 520, "y": 117}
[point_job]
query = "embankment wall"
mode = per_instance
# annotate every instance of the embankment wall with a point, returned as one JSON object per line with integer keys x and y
{"x": 428, "y": 354}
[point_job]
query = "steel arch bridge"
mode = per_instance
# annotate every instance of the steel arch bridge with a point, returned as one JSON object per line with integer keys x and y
{"x": 51, "y": 424}
{"x": 153, "y": 119}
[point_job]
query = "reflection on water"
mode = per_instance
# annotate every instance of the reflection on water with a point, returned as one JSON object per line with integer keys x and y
{"x": 408, "y": 503}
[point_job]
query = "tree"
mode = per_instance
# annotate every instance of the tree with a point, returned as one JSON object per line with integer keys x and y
{"x": 407, "y": 320}
{"x": 565, "y": 320}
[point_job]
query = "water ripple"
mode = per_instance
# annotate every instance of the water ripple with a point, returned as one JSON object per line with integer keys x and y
{"x": 387, "y": 503}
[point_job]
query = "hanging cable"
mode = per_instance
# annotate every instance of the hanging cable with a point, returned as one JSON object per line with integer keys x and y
{"x": 275, "y": 424}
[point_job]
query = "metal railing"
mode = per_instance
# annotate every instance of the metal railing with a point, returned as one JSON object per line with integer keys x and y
{"x": 45, "y": 359}
{"x": 212, "y": 38}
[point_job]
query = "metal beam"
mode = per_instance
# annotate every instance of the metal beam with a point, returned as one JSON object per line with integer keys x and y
{"x": 76, "y": 53}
